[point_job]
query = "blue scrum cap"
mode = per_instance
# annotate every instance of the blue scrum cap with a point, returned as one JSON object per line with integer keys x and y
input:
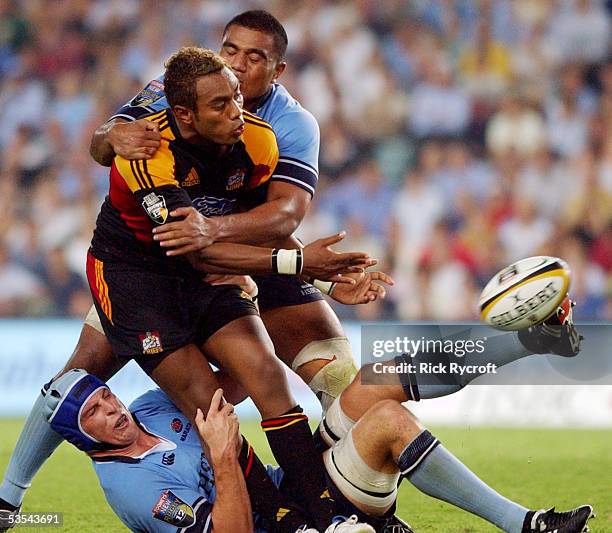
{"x": 66, "y": 397}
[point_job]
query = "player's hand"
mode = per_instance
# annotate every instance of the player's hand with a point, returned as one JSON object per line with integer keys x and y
{"x": 321, "y": 262}
{"x": 219, "y": 431}
{"x": 135, "y": 140}
{"x": 365, "y": 290}
{"x": 246, "y": 283}
{"x": 192, "y": 234}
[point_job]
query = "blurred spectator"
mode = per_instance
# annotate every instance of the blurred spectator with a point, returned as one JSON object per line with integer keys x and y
{"x": 437, "y": 106}
{"x": 523, "y": 234}
{"x": 66, "y": 288}
{"x": 485, "y": 65}
{"x": 21, "y": 292}
{"x": 364, "y": 195}
{"x": 580, "y": 31}
{"x": 515, "y": 127}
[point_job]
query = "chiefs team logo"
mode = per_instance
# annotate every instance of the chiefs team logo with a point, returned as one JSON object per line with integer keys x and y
{"x": 151, "y": 343}
{"x": 235, "y": 181}
{"x": 155, "y": 206}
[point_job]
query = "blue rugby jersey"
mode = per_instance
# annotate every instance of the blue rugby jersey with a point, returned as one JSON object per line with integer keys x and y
{"x": 297, "y": 131}
{"x": 172, "y": 487}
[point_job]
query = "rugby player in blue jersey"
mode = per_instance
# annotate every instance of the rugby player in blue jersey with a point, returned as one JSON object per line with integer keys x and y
{"x": 156, "y": 477}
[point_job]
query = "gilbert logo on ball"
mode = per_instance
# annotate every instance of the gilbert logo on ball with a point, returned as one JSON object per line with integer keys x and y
{"x": 525, "y": 294}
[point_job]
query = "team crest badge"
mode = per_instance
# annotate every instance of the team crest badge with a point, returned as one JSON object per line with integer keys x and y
{"x": 235, "y": 182}
{"x": 151, "y": 343}
{"x": 155, "y": 206}
{"x": 149, "y": 95}
{"x": 172, "y": 510}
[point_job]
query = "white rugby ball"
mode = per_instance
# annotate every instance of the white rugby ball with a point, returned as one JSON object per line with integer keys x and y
{"x": 525, "y": 294}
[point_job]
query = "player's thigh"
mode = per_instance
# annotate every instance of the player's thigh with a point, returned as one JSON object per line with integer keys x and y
{"x": 93, "y": 352}
{"x": 187, "y": 378}
{"x": 244, "y": 349}
{"x": 291, "y": 328}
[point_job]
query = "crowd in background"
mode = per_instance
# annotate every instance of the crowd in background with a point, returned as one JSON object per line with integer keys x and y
{"x": 456, "y": 136}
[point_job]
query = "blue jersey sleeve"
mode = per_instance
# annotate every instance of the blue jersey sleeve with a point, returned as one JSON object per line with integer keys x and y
{"x": 150, "y": 100}
{"x": 297, "y": 134}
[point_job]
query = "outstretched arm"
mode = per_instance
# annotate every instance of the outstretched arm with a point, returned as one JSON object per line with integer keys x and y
{"x": 317, "y": 260}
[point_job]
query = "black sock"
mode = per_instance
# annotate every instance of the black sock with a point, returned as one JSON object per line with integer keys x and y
{"x": 266, "y": 499}
{"x": 291, "y": 443}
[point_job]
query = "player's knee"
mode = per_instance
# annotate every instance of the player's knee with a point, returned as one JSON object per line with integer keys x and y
{"x": 338, "y": 372}
{"x": 393, "y": 416}
{"x": 268, "y": 373}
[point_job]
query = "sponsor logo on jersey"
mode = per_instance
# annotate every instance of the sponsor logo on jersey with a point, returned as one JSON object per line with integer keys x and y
{"x": 155, "y": 206}
{"x": 210, "y": 206}
{"x": 168, "y": 459}
{"x": 172, "y": 510}
{"x": 235, "y": 181}
{"x": 150, "y": 94}
{"x": 186, "y": 432}
{"x": 177, "y": 425}
{"x": 191, "y": 179}
{"x": 151, "y": 343}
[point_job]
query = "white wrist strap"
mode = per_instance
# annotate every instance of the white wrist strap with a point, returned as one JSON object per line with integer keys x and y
{"x": 326, "y": 287}
{"x": 287, "y": 261}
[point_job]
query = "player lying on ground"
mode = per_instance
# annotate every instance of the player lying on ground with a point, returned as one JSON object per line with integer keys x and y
{"x": 156, "y": 477}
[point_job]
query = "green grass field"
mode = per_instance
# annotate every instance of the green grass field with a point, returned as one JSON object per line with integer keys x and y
{"x": 536, "y": 468}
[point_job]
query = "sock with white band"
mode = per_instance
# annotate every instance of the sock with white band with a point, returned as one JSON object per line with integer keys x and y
{"x": 432, "y": 469}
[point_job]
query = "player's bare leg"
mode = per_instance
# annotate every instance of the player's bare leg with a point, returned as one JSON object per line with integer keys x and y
{"x": 244, "y": 349}
{"x": 312, "y": 332}
{"x": 388, "y": 441}
{"x": 93, "y": 353}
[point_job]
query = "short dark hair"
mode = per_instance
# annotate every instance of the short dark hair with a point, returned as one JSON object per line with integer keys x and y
{"x": 183, "y": 70}
{"x": 260, "y": 20}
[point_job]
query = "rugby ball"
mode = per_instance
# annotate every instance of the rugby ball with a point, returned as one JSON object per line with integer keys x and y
{"x": 525, "y": 294}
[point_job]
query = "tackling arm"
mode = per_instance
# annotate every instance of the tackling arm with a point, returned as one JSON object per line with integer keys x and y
{"x": 276, "y": 219}
{"x": 132, "y": 140}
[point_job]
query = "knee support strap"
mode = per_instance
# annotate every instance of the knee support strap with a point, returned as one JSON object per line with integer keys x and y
{"x": 336, "y": 375}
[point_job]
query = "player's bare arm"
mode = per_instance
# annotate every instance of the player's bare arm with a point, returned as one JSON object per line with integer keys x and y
{"x": 274, "y": 220}
{"x": 317, "y": 258}
{"x": 219, "y": 433}
{"x": 277, "y": 218}
{"x": 131, "y": 140}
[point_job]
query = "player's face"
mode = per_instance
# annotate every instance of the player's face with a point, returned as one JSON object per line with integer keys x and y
{"x": 219, "y": 108}
{"x": 251, "y": 55}
{"x": 106, "y": 419}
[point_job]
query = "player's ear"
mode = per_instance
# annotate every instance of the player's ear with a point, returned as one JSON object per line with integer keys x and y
{"x": 279, "y": 69}
{"x": 184, "y": 114}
